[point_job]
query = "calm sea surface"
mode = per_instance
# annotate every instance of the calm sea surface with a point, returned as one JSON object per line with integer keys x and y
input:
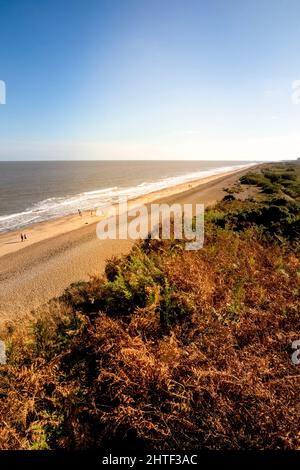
{"x": 36, "y": 191}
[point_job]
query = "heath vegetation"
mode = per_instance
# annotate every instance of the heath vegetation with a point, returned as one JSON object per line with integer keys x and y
{"x": 171, "y": 348}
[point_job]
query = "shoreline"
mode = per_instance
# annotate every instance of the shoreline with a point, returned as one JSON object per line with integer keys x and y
{"x": 67, "y": 250}
{"x": 10, "y": 241}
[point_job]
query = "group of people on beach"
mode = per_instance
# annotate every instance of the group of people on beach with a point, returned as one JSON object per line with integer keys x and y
{"x": 93, "y": 212}
{"x": 24, "y": 236}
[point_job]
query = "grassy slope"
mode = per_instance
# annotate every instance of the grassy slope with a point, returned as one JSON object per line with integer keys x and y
{"x": 172, "y": 348}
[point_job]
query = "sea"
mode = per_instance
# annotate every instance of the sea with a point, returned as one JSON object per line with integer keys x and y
{"x": 32, "y": 192}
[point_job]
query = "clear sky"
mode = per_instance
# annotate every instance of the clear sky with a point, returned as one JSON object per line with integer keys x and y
{"x": 182, "y": 79}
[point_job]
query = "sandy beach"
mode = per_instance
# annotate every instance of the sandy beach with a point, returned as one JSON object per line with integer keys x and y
{"x": 66, "y": 250}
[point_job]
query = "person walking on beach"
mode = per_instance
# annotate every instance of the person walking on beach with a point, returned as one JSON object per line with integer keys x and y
{"x": 22, "y": 237}
{"x": 79, "y": 212}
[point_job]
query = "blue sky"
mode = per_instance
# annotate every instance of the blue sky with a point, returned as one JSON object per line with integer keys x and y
{"x": 181, "y": 79}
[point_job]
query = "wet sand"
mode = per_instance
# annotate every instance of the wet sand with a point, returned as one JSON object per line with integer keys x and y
{"x": 67, "y": 250}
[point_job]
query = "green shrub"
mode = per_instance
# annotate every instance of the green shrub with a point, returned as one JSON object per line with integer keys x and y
{"x": 229, "y": 197}
{"x": 251, "y": 178}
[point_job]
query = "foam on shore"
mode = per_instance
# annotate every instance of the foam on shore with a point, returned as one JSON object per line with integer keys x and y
{"x": 56, "y": 207}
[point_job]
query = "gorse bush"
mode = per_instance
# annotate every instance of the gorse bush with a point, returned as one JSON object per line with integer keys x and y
{"x": 252, "y": 178}
{"x": 131, "y": 284}
{"x": 171, "y": 348}
{"x": 276, "y": 217}
{"x": 281, "y": 179}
